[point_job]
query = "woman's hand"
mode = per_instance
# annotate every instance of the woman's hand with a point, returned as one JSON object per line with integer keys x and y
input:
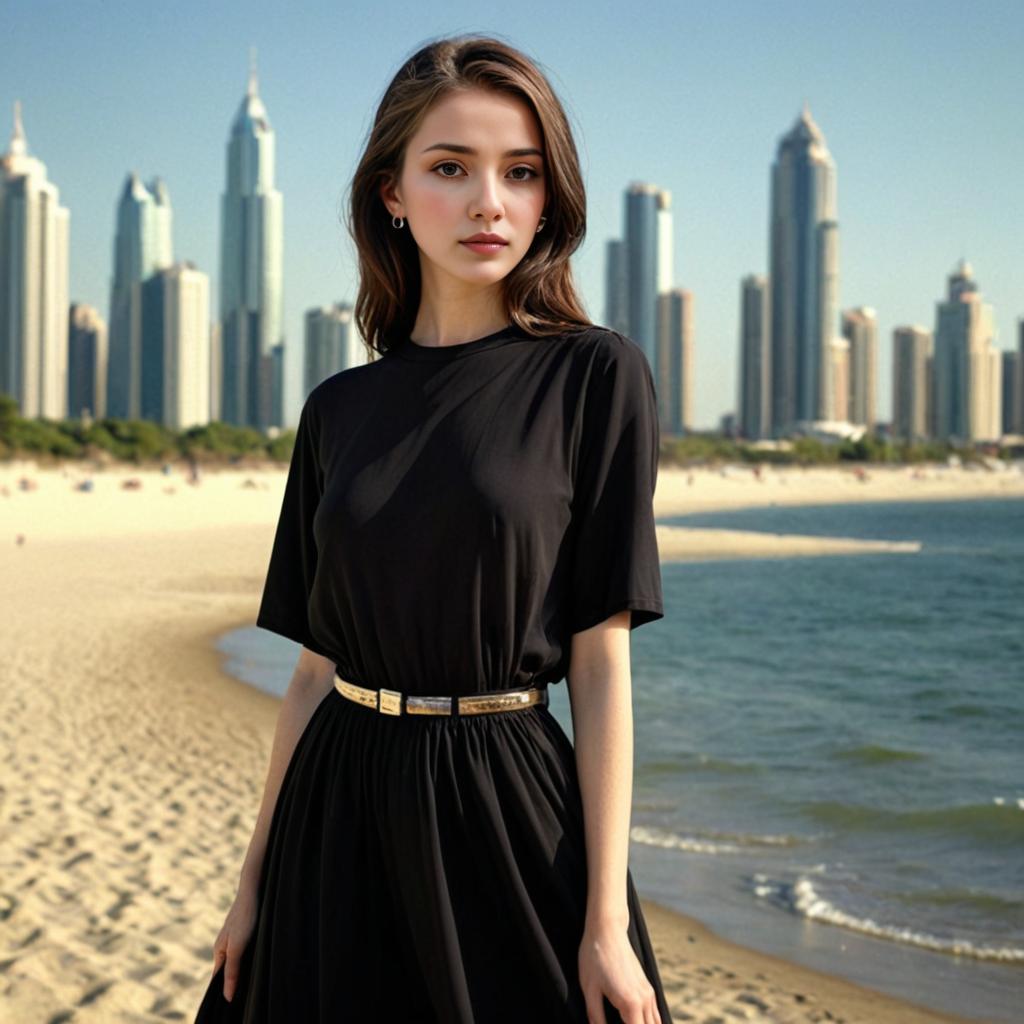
{"x": 233, "y": 938}
{"x": 609, "y": 967}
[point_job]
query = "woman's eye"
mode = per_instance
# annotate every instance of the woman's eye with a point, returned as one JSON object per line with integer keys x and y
{"x": 449, "y": 163}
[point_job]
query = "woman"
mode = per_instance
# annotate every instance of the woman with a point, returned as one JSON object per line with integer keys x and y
{"x": 470, "y": 514}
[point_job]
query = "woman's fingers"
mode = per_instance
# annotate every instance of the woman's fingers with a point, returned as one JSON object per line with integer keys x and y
{"x": 595, "y": 1007}
{"x": 230, "y": 974}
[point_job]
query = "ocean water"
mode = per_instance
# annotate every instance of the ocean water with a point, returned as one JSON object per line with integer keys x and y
{"x": 834, "y": 747}
{"x": 829, "y": 751}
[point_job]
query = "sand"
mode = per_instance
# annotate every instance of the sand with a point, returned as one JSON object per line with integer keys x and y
{"x": 133, "y": 763}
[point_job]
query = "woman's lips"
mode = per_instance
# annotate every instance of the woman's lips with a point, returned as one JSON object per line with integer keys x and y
{"x": 485, "y": 248}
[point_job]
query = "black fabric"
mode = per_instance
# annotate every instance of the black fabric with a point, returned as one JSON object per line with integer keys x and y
{"x": 451, "y": 516}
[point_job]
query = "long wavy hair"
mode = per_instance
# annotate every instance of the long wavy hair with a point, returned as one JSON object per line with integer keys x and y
{"x": 539, "y": 292}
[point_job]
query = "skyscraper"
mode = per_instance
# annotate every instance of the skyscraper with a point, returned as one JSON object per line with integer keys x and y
{"x": 804, "y": 274}
{"x": 967, "y": 365}
{"x": 1011, "y": 396}
{"x": 911, "y": 382}
{"x": 142, "y": 245}
{"x": 616, "y": 286}
{"x": 1019, "y": 422}
{"x": 839, "y": 354}
{"x": 87, "y": 362}
{"x": 332, "y": 344}
{"x": 176, "y": 347}
{"x": 754, "y": 358}
{"x": 251, "y": 341}
{"x": 673, "y": 372}
{"x": 33, "y": 283}
{"x": 186, "y": 346}
{"x": 860, "y": 329}
{"x": 648, "y": 253}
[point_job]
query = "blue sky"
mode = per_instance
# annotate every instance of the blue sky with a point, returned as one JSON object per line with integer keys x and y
{"x": 920, "y": 103}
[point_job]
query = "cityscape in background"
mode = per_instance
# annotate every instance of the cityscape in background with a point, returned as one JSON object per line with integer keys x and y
{"x": 805, "y": 367}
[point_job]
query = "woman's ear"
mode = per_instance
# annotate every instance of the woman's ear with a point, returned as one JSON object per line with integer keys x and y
{"x": 390, "y": 198}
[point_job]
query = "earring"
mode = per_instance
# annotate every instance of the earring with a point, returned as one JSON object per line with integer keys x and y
{"x": 400, "y": 224}
{"x": 541, "y": 223}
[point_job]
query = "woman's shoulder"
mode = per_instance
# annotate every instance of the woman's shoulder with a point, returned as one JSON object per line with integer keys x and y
{"x": 597, "y": 341}
{"x": 343, "y": 386}
{"x": 603, "y": 350}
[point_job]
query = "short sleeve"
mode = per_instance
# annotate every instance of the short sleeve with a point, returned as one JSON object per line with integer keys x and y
{"x": 284, "y": 608}
{"x": 615, "y": 560}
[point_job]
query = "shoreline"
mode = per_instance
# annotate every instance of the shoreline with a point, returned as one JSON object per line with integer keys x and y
{"x": 704, "y": 972}
{"x": 137, "y": 761}
{"x": 158, "y": 814}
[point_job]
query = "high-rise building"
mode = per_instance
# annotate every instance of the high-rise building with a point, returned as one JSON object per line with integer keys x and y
{"x": 616, "y": 287}
{"x": 87, "y": 362}
{"x": 860, "y": 329}
{"x": 911, "y": 357}
{"x": 1011, "y": 391}
{"x": 648, "y": 245}
{"x": 187, "y": 351}
{"x": 804, "y": 275}
{"x": 33, "y": 283}
{"x": 142, "y": 245}
{"x": 839, "y": 374}
{"x": 1019, "y": 423}
{"x": 752, "y": 401}
{"x": 251, "y": 339}
{"x": 175, "y": 364}
{"x": 216, "y": 391}
{"x": 967, "y": 365}
{"x": 333, "y": 344}
{"x": 673, "y": 371}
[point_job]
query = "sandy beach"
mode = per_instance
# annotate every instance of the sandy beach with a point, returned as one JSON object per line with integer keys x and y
{"x": 133, "y": 763}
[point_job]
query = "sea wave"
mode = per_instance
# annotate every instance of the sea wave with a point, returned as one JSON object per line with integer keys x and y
{"x": 804, "y": 899}
{"x": 711, "y": 842}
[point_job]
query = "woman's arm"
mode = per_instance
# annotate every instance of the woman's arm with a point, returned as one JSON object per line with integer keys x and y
{"x": 600, "y": 694}
{"x": 310, "y": 683}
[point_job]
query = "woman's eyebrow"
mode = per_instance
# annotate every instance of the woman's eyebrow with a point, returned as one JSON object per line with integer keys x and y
{"x": 455, "y": 148}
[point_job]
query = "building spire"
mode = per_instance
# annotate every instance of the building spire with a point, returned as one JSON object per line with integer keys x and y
{"x": 19, "y": 144}
{"x": 251, "y": 90}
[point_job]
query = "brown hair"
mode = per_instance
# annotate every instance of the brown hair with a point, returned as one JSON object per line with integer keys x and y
{"x": 539, "y": 292}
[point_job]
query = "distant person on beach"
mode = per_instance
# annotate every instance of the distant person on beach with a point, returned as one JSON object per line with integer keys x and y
{"x": 467, "y": 520}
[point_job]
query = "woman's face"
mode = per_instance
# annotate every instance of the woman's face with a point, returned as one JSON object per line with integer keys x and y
{"x": 475, "y": 165}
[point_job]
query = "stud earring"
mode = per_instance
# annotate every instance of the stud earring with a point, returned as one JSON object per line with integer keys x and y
{"x": 400, "y": 224}
{"x": 541, "y": 223}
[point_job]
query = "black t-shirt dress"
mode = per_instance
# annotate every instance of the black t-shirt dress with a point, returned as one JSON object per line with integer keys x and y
{"x": 451, "y": 516}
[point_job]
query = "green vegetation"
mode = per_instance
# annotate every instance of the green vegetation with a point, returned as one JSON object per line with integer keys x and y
{"x": 711, "y": 449}
{"x": 134, "y": 441}
{"x": 140, "y": 442}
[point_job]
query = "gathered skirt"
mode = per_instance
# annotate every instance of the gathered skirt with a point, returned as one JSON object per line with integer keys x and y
{"x": 423, "y": 870}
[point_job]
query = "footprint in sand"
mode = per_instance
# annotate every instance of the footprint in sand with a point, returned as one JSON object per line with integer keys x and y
{"x": 8, "y": 904}
{"x": 94, "y": 993}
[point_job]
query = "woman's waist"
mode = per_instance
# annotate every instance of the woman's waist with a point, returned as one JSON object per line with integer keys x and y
{"x": 441, "y": 700}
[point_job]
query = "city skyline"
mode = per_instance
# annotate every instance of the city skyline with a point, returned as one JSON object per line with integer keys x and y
{"x": 720, "y": 225}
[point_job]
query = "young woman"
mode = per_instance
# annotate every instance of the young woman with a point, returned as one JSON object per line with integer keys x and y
{"x": 467, "y": 520}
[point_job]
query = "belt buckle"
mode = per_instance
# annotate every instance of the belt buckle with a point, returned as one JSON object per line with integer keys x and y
{"x": 390, "y": 702}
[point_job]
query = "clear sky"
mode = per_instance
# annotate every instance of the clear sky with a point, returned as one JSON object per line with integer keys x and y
{"x": 921, "y": 104}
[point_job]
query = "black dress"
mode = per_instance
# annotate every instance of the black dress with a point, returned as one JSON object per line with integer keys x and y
{"x": 451, "y": 517}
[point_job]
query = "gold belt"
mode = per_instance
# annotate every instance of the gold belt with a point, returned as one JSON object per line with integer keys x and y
{"x": 393, "y": 702}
